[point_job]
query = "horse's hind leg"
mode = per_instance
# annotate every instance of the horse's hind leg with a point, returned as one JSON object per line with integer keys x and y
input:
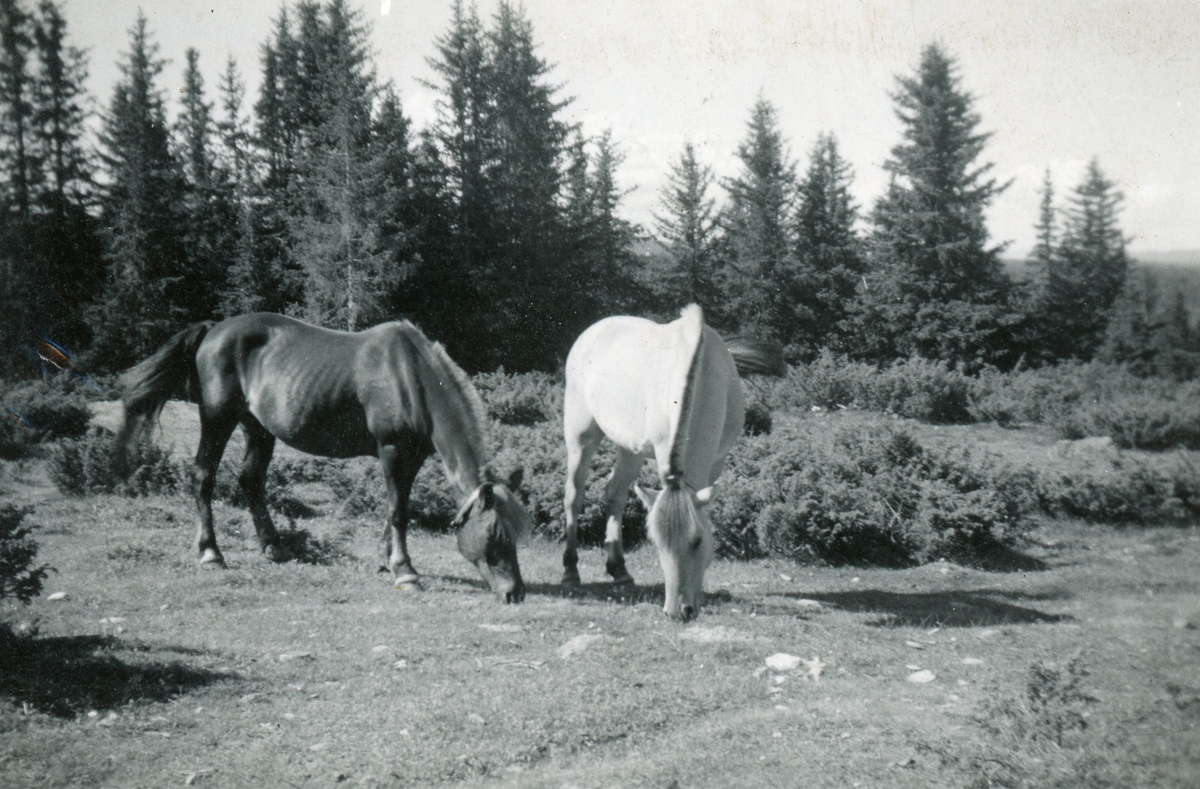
{"x": 624, "y": 472}
{"x": 581, "y": 446}
{"x": 252, "y": 477}
{"x": 214, "y": 434}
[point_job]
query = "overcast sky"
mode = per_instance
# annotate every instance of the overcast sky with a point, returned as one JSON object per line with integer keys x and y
{"x": 1055, "y": 82}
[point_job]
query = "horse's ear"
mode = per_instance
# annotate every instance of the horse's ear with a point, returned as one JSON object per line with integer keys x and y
{"x": 515, "y": 479}
{"x": 647, "y": 497}
{"x": 487, "y": 495}
{"x": 705, "y": 496}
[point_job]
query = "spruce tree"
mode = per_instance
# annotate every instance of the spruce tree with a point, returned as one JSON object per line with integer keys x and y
{"x": 935, "y": 288}
{"x": 151, "y": 291}
{"x": 18, "y": 168}
{"x": 685, "y": 225}
{"x": 757, "y": 225}
{"x": 68, "y": 249}
{"x": 828, "y": 253}
{"x": 1089, "y": 270}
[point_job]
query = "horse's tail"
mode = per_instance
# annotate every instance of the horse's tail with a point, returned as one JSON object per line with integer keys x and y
{"x": 169, "y": 372}
{"x": 752, "y": 355}
{"x": 674, "y": 522}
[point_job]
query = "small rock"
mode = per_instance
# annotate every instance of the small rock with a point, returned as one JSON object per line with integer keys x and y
{"x": 806, "y": 603}
{"x": 972, "y": 661}
{"x": 401, "y": 663}
{"x": 922, "y": 677}
{"x": 777, "y": 734}
{"x": 911, "y": 667}
{"x": 578, "y": 644}
{"x": 477, "y": 719}
{"x": 781, "y": 661}
{"x": 380, "y": 648}
{"x": 286, "y": 656}
{"x": 913, "y": 644}
{"x": 855, "y": 579}
{"x": 785, "y": 576}
{"x": 319, "y": 746}
{"x": 58, "y": 596}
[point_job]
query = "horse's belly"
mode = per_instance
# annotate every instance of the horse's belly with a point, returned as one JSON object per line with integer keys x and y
{"x": 333, "y": 430}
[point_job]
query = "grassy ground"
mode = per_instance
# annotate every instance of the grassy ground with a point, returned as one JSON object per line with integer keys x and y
{"x": 1077, "y": 667}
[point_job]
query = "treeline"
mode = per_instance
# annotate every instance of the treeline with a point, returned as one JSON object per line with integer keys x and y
{"x": 497, "y": 228}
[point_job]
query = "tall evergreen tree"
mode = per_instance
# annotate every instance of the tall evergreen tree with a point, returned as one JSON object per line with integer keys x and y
{"x": 1042, "y": 255}
{"x": 68, "y": 248}
{"x": 249, "y": 278}
{"x": 18, "y": 169}
{"x": 151, "y": 291}
{"x": 936, "y": 289}
{"x": 757, "y": 226}
{"x": 610, "y": 267}
{"x": 828, "y": 253}
{"x": 685, "y": 225}
{"x": 1089, "y": 270}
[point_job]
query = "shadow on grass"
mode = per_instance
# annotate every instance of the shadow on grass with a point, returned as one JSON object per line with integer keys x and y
{"x": 302, "y": 546}
{"x": 602, "y": 592}
{"x": 998, "y": 558}
{"x": 67, "y": 675}
{"x": 978, "y": 608}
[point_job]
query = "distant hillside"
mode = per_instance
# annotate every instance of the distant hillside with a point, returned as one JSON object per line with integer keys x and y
{"x": 1171, "y": 257}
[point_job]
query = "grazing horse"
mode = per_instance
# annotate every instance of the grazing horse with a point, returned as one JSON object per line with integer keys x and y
{"x": 668, "y": 392}
{"x": 387, "y": 391}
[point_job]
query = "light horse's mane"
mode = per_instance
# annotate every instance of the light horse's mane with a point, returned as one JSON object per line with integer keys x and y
{"x": 674, "y": 521}
{"x": 476, "y": 424}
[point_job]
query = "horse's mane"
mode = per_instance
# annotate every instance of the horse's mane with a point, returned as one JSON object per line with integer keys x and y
{"x": 674, "y": 522}
{"x": 476, "y": 435}
{"x": 692, "y": 320}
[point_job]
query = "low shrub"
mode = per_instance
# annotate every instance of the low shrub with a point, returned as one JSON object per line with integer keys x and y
{"x": 914, "y": 388}
{"x": 96, "y": 464}
{"x": 35, "y": 412}
{"x": 1127, "y": 490}
{"x": 863, "y": 493}
{"x": 19, "y": 579}
{"x": 520, "y": 399}
{"x": 1146, "y": 422}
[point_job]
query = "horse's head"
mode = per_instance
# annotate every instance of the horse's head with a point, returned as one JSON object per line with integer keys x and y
{"x": 490, "y": 524}
{"x": 680, "y": 528}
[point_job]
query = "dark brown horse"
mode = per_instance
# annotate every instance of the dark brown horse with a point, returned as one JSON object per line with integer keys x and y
{"x": 387, "y": 391}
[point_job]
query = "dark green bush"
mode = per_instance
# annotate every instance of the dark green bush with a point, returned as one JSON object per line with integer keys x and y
{"x": 913, "y": 388}
{"x": 520, "y": 399}
{"x": 95, "y": 464}
{"x": 18, "y": 577}
{"x": 1124, "y": 490}
{"x": 863, "y": 493}
{"x": 35, "y": 412}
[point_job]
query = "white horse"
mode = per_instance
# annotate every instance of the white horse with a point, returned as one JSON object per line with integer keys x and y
{"x": 668, "y": 392}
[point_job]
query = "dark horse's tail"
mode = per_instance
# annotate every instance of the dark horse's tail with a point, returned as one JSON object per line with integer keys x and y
{"x": 752, "y": 355}
{"x": 170, "y": 372}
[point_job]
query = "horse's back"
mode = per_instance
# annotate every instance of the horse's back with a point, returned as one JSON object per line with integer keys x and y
{"x": 637, "y": 381}
{"x": 322, "y": 391}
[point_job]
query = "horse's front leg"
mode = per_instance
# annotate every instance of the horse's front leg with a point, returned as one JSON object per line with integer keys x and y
{"x": 252, "y": 477}
{"x": 400, "y": 466}
{"x": 214, "y": 434}
{"x": 624, "y": 472}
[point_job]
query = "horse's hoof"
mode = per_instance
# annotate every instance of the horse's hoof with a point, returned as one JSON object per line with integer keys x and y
{"x": 624, "y": 579}
{"x": 409, "y": 582}
{"x": 570, "y": 578}
{"x": 212, "y": 560}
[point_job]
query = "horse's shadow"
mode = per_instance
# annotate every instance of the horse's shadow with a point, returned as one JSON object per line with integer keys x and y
{"x": 966, "y": 608}
{"x": 67, "y": 675}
